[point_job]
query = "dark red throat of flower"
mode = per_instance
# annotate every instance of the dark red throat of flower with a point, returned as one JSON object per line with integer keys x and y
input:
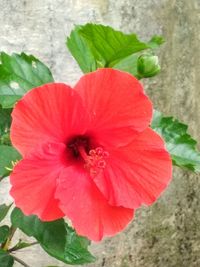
{"x": 94, "y": 158}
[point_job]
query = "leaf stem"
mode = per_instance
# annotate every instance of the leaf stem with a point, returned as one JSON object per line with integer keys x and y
{"x": 7, "y": 243}
{"x": 20, "y": 261}
{"x": 15, "y": 248}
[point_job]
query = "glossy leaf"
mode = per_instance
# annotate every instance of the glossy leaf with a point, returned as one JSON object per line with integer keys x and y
{"x": 95, "y": 46}
{"x": 55, "y": 237}
{"x": 4, "y": 233}
{"x": 76, "y": 247}
{"x": 180, "y": 144}
{"x": 6, "y": 260}
{"x": 5, "y": 121}
{"x": 8, "y": 156}
{"x": 80, "y": 51}
{"x": 129, "y": 64}
{"x": 3, "y": 211}
{"x": 109, "y": 45}
{"x": 7, "y": 152}
{"x": 18, "y": 74}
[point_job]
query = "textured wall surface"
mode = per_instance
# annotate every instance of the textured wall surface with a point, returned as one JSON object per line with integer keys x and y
{"x": 168, "y": 233}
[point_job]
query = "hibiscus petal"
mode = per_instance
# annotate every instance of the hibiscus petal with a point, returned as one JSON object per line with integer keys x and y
{"x": 51, "y": 112}
{"x": 138, "y": 173}
{"x": 34, "y": 181}
{"x": 86, "y": 207}
{"x": 117, "y": 104}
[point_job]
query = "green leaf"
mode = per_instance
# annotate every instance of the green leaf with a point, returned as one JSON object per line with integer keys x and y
{"x": 5, "y": 121}
{"x": 55, "y": 237}
{"x": 80, "y": 51}
{"x": 18, "y": 74}
{"x": 96, "y": 46}
{"x": 7, "y": 152}
{"x": 76, "y": 247}
{"x": 8, "y": 155}
{"x": 108, "y": 45}
{"x": 6, "y": 260}
{"x": 129, "y": 64}
{"x": 179, "y": 143}
{"x": 156, "y": 41}
{"x": 3, "y": 211}
{"x": 4, "y": 233}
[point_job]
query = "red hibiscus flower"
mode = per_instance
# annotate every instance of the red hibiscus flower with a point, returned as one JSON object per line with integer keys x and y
{"x": 88, "y": 153}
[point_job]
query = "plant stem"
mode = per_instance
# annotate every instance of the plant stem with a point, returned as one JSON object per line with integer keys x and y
{"x": 15, "y": 248}
{"x": 7, "y": 243}
{"x": 21, "y": 261}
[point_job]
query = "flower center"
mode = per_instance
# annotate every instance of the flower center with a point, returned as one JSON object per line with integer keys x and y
{"x": 94, "y": 159}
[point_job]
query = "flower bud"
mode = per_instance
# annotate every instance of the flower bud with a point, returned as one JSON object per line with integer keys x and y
{"x": 148, "y": 66}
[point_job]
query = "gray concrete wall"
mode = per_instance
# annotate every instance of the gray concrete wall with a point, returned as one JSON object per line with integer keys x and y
{"x": 168, "y": 233}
